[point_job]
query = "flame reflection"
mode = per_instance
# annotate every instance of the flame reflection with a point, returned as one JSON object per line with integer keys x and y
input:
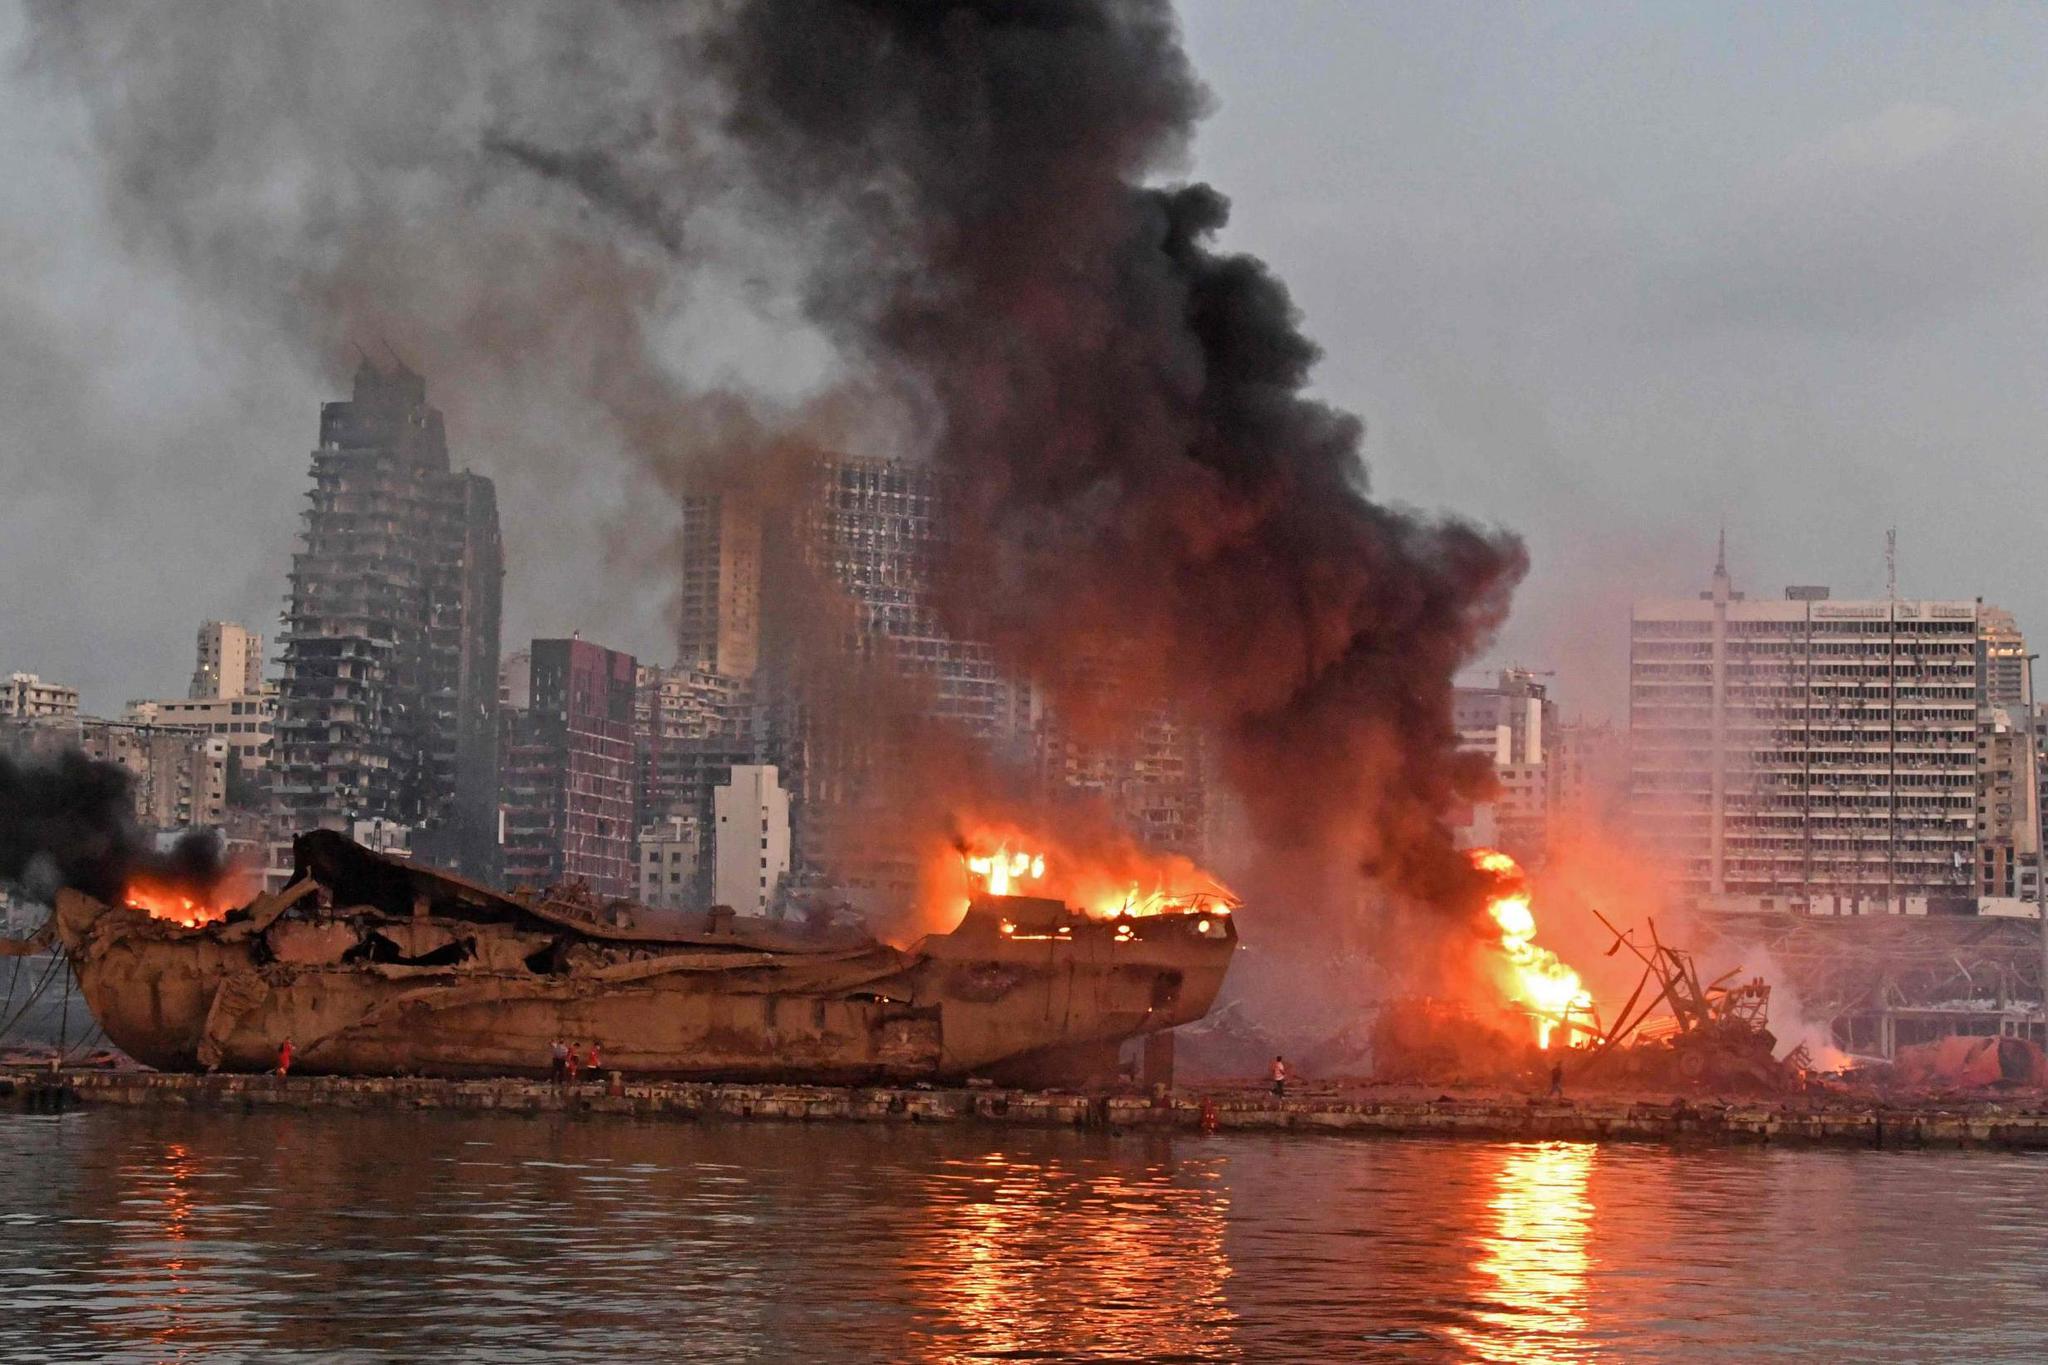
{"x": 1048, "y": 1258}
{"x": 1536, "y": 1256}
{"x": 155, "y": 1272}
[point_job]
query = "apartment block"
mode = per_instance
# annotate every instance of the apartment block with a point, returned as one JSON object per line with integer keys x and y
{"x": 690, "y": 726}
{"x": 568, "y": 773}
{"x": 230, "y": 661}
{"x": 719, "y": 605}
{"x": 669, "y": 863}
{"x": 1806, "y": 748}
{"x": 1152, "y": 775}
{"x": 246, "y": 723}
{"x": 1514, "y": 723}
{"x": 179, "y": 774}
{"x": 24, "y": 696}
{"x": 387, "y": 703}
{"x": 2007, "y": 811}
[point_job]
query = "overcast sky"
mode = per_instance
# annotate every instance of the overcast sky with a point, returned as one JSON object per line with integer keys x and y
{"x": 1605, "y": 276}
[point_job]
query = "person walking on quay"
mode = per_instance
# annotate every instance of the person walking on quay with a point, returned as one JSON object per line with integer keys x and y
{"x": 558, "y": 1061}
{"x": 570, "y": 1062}
{"x": 1557, "y": 1080}
{"x": 1279, "y": 1078}
{"x": 284, "y": 1057}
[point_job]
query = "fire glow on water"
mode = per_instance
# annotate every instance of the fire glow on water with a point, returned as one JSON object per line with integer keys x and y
{"x": 1537, "y": 978}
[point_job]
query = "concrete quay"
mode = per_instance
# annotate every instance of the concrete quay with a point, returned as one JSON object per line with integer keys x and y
{"x": 1838, "y": 1122}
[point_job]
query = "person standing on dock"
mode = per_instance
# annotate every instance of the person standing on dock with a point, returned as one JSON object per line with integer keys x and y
{"x": 284, "y": 1057}
{"x": 1557, "y": 1080}
{"x": 1279, "y": 1078}
{"x": 570, "y": 1062}
{"x": 558, "y": 1061}
{"x": 593, "y": 1064}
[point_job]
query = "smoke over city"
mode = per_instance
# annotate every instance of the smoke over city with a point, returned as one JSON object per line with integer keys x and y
{"x": 68, "y": 821}
{"x": 965, "y": 208}
{"x": 1122, "y": 406}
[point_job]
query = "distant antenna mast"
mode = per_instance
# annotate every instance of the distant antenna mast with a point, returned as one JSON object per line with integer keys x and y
{"x": 1891, "y": 564}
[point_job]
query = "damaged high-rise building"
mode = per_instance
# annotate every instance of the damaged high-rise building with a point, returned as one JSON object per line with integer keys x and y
{"x": 875, "y": 532}
{"x": 387, "y": 703}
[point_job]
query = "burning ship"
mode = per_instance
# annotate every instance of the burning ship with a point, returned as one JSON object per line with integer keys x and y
{"x": 376, "y": 966}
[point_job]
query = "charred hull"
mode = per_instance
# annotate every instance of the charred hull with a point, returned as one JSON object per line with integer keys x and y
{"x": 372, "y": 966}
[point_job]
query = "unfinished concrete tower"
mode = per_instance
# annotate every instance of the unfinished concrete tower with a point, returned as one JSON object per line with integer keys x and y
{"x": 387, "y": 706}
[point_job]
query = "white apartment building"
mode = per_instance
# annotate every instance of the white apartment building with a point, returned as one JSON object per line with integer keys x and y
{"x": 25, "y": 696}
{"x": 668, "y": 863}
{"x": 1806, "y": 748}
{"x": 750, "y": 843}
{"x": 230, "y": 661}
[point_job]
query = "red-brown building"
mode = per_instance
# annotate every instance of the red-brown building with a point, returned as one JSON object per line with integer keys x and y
{"x": 568, "y": 772}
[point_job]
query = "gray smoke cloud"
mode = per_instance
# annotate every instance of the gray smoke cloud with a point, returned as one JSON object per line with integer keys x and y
{"x": 554, "y": 212}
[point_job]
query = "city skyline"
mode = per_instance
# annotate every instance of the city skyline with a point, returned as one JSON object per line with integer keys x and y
{"x": 1469, "y": 402}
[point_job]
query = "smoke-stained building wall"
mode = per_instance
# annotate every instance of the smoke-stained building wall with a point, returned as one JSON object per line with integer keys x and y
{"x": 387, "y": 703}
{"x": 718, "y": 600}
{"x": 1151, "y": 774}
{"x": 568, "y": 806}
{"x": 871, "y": 531}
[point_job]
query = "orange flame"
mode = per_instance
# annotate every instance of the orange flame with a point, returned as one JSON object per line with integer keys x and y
{"x": 189, "y": 906}
{"x": 1537, "y": 978}
{"x": 1112, "y": 879}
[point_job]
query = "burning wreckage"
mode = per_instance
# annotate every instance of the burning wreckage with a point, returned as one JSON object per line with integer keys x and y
{"x": 376, "y": 966}
{"x": 1674, "y": 1031}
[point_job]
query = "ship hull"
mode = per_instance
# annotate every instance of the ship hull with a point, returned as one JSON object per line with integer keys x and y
{"x": 460, "y": 986}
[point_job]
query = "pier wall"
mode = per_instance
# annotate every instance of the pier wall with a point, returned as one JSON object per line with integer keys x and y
{"x": 2015, "y": 1125}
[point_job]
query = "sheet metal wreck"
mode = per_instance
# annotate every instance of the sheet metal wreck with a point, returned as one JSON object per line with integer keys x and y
{"x": 375, "y": 966}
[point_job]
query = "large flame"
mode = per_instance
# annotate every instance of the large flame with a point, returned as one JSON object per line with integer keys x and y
{"x": 190, "y": 906}
{"x": 1536, "y": 978}
{"x": 1108, "y": 880}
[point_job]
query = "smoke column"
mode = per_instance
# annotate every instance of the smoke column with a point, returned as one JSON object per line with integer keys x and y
{"x": 1122, "y": 404}
{"x": 67, "y": 821}
{"x": 969, "y": 203}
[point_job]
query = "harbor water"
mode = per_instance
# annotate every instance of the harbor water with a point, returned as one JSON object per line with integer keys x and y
{"x": 169, "y": 1235}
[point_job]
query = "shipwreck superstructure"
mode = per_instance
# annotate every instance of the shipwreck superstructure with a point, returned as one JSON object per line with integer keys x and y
{"x": 376, "y": 966}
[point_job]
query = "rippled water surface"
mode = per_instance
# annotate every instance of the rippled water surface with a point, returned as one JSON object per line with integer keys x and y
{"x": 167, "y": 1235}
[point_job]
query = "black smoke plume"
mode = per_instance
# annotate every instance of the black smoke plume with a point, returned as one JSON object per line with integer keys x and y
{"x": 68, "y": 821}
{"x": 1124, "y": 405}
{"x": 973, "y": 201}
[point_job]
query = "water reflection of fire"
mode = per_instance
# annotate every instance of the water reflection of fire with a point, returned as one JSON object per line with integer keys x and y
{"x": 1537, "y": 1256}
{"x": 1117, "y": 879}
{"x": 190, "y": 906}
{"x": 1038, "y": 1258}
{"x": 1537, "y": 979}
